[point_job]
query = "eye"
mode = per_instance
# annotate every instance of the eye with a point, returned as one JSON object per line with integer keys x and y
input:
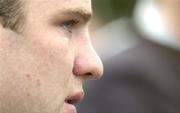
{"x": 69, "y": 25}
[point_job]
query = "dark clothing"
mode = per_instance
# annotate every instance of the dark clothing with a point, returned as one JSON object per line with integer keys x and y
{"x": 143, "y": 79}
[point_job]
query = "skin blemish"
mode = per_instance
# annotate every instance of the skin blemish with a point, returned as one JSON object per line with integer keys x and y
{"x": 38, "y": 82}
{"x": 28, "y": 76}
{"x": 28, "y": 94}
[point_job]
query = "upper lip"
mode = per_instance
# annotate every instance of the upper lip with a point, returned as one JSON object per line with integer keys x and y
{"x": 75, "y": 98}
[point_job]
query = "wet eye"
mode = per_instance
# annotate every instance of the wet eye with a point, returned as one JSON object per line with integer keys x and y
{"x": 68, "y": 25}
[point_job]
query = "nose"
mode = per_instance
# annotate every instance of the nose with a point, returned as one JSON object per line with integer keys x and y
{"x": 87, "y": 63}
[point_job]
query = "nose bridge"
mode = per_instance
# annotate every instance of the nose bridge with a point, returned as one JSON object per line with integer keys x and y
{"x": 87, "y": 62}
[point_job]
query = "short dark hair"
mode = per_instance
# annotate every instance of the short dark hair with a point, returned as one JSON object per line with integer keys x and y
{"x": 11, "y": 13}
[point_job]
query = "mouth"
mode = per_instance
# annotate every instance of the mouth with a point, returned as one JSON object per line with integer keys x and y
{"x": 72, "y": 100}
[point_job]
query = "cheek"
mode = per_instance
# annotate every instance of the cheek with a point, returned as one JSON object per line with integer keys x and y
{"x": 38, "y": 75}
{"x": 24, "y": 95}
{"x": 54, "y": 63}
{"x": 52, "y": 53}
{"x": 54, "y": 59}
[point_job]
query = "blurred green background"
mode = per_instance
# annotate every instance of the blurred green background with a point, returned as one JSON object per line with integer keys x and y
{"x": 109, "y": 10}
{"x": 106, "y": 11}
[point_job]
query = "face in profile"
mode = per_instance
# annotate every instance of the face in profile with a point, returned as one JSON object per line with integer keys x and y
{"x": 42, "y": 69}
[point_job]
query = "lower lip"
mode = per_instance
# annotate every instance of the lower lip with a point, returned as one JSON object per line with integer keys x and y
{"x": 70, "y": 108}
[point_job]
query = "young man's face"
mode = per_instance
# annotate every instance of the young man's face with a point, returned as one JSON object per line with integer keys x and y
{"x": 42, "y": 69}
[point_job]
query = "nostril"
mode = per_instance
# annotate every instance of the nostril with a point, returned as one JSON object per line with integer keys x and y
{"x": 88, "y": 74}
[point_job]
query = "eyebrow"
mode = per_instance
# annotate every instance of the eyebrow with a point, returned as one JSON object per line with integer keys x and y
{"x": 84, "y": 14}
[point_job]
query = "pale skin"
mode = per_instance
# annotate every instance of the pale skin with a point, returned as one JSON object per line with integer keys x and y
{"x": 48, "y": 62}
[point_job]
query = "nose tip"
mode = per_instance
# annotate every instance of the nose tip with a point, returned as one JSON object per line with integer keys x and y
{"x": 88, "y": 66}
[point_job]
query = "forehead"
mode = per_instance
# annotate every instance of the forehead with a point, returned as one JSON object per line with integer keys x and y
{"x": 84, "y": 5}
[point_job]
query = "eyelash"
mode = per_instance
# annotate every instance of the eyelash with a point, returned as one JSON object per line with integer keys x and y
{"x": 70, "y": 24}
